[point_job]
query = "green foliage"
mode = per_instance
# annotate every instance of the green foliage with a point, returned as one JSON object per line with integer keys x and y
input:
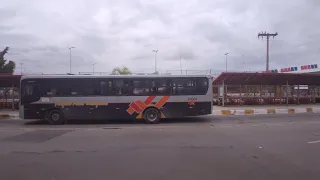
{"x": 6, "y": 68}
{"x": 121, "y": 71}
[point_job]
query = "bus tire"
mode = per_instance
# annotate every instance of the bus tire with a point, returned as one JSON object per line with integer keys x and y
{"x": 151, "y": 115}
{"x": 55, "y": 117}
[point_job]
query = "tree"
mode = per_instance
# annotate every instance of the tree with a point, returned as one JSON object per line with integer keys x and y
{"x": 6, "y": 68}
{"x": 121, "y": 71}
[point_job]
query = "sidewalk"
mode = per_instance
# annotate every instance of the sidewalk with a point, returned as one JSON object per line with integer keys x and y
{"x": 266, "y": 109}
{"x": 8, "y": 113}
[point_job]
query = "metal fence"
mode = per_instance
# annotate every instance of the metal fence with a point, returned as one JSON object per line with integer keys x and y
{"x": 9, "y": 98}
{"x": 271, "y": 94}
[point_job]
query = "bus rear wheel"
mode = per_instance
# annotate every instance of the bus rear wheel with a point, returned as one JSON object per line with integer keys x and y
{"x": 151, "y": 115}
{"x": 55, "y": 117}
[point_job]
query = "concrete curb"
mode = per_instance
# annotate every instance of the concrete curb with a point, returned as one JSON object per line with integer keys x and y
{"x": 4, "y": 116}
{"x": 249, "y": 111}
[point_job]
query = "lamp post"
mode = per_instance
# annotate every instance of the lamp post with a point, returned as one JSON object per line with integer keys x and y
{"x": 21, "y": 67}
{"x": 93, "y": 68}
{"x": 70, "y": 57}
{"x": 226, "y": 54}
{"x": 155, "y": 60}
{"x": 180, "y": 64}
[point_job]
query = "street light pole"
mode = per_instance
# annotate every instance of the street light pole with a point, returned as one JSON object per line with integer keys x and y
{"x": 242, "y": 59}
{"x": 70, "y": 57}
{"x": 226, "y": 54}
{"x": 21, "y": 64}
{"x": 155, "y": 60}
{"x": 180, "y": 64}
{"x": 93, "y": 68}
{"x": 243, "y": 62}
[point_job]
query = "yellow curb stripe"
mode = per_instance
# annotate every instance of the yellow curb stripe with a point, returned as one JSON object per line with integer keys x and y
{"x": 271, "y": 111}
{"x": 248, "y": 111}
{"x": 291, "y": 111}
{"x": 310, "y": 110}
{"x": 226, "y": 112}
{"x": 4, "y": 116}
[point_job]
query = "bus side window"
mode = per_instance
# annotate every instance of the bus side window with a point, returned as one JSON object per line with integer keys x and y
{"x": 89, "y": 87}
{"x": 178, "y": 86}
{"x": 120, "y": 87}
{"x": 163, "y": 87}
{"x": 104, "y": 88}
{"x": 142, "y": 87}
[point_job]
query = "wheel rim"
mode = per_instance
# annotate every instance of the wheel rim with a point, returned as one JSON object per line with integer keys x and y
{"x": 152, "y": 116}
{"x": 55, "y": 116}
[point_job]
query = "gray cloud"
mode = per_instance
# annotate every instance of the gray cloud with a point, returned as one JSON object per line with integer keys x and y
{"x": 116, "y": 33}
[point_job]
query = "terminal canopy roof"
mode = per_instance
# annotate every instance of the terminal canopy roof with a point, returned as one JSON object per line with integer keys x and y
{"x": 9, "y": 80}
{"x": 231, "y": 78}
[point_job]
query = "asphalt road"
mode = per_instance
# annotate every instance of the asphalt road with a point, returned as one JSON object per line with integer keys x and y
{"x": 238, "y": 147}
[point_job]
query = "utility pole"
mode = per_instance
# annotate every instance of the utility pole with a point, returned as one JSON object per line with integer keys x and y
{"x": 268, "y": 35}
{"x": 155, "y": 60}
{"x": 226, "y": 54}
{"x": 70, "y": 57}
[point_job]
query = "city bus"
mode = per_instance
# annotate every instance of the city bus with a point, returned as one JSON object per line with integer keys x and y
{"x": 57, "y": 98}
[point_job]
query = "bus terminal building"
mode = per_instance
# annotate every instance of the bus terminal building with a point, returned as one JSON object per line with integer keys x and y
{"x": 266, "y": 88}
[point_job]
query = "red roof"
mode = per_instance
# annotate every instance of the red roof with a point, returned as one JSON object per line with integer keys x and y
{"x": 267, "y": 79}
{"x": 7, "y": 80}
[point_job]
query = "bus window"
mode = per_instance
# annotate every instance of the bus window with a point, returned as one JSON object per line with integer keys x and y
{"x": 120, "y": 87}
{"x": 29, "y": 90}
{"x": 187, "y": 86}
{"x": 142, "y": 87}
{"x": 163, "y": 87}
{"x": 178, "y": 86}
{"x": 104, "y": 90}
{"x": 202, "y": 85}
{"x": 89, "y": 87}
{"x": 51, "y": 87}
{"x": 31, "y": 93}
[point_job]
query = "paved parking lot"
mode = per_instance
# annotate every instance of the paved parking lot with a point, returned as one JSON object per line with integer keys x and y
{"x": 237, "y": 147}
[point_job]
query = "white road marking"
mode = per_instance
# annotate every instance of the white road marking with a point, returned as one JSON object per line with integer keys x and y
{"x": 313, "y": 142}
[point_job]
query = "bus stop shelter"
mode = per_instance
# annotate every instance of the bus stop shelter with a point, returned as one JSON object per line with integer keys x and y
{"x": 9, "y": 91}
{"x": 266, "y": 88}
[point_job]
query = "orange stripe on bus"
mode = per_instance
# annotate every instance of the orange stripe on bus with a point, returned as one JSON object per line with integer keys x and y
{"x": 141, "y": 104}
{"x": 130, "y": 110}
{"x": 162, "y": 101}
{"x": 149, "y": 100}
{"x": 135, "y": 107}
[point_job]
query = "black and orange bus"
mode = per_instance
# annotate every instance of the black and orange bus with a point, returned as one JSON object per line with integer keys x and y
{"x": 148, "y": 97}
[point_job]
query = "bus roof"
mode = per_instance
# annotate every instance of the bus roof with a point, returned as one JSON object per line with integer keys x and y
{"x": 109, "y": 76}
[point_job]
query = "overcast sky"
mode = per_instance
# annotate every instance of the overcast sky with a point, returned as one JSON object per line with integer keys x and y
{"x": 114, "y": 33}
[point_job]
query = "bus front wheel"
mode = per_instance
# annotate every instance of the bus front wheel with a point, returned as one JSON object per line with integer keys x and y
{"x": 151, "y": 115}
{"x": 55, "y": 117}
